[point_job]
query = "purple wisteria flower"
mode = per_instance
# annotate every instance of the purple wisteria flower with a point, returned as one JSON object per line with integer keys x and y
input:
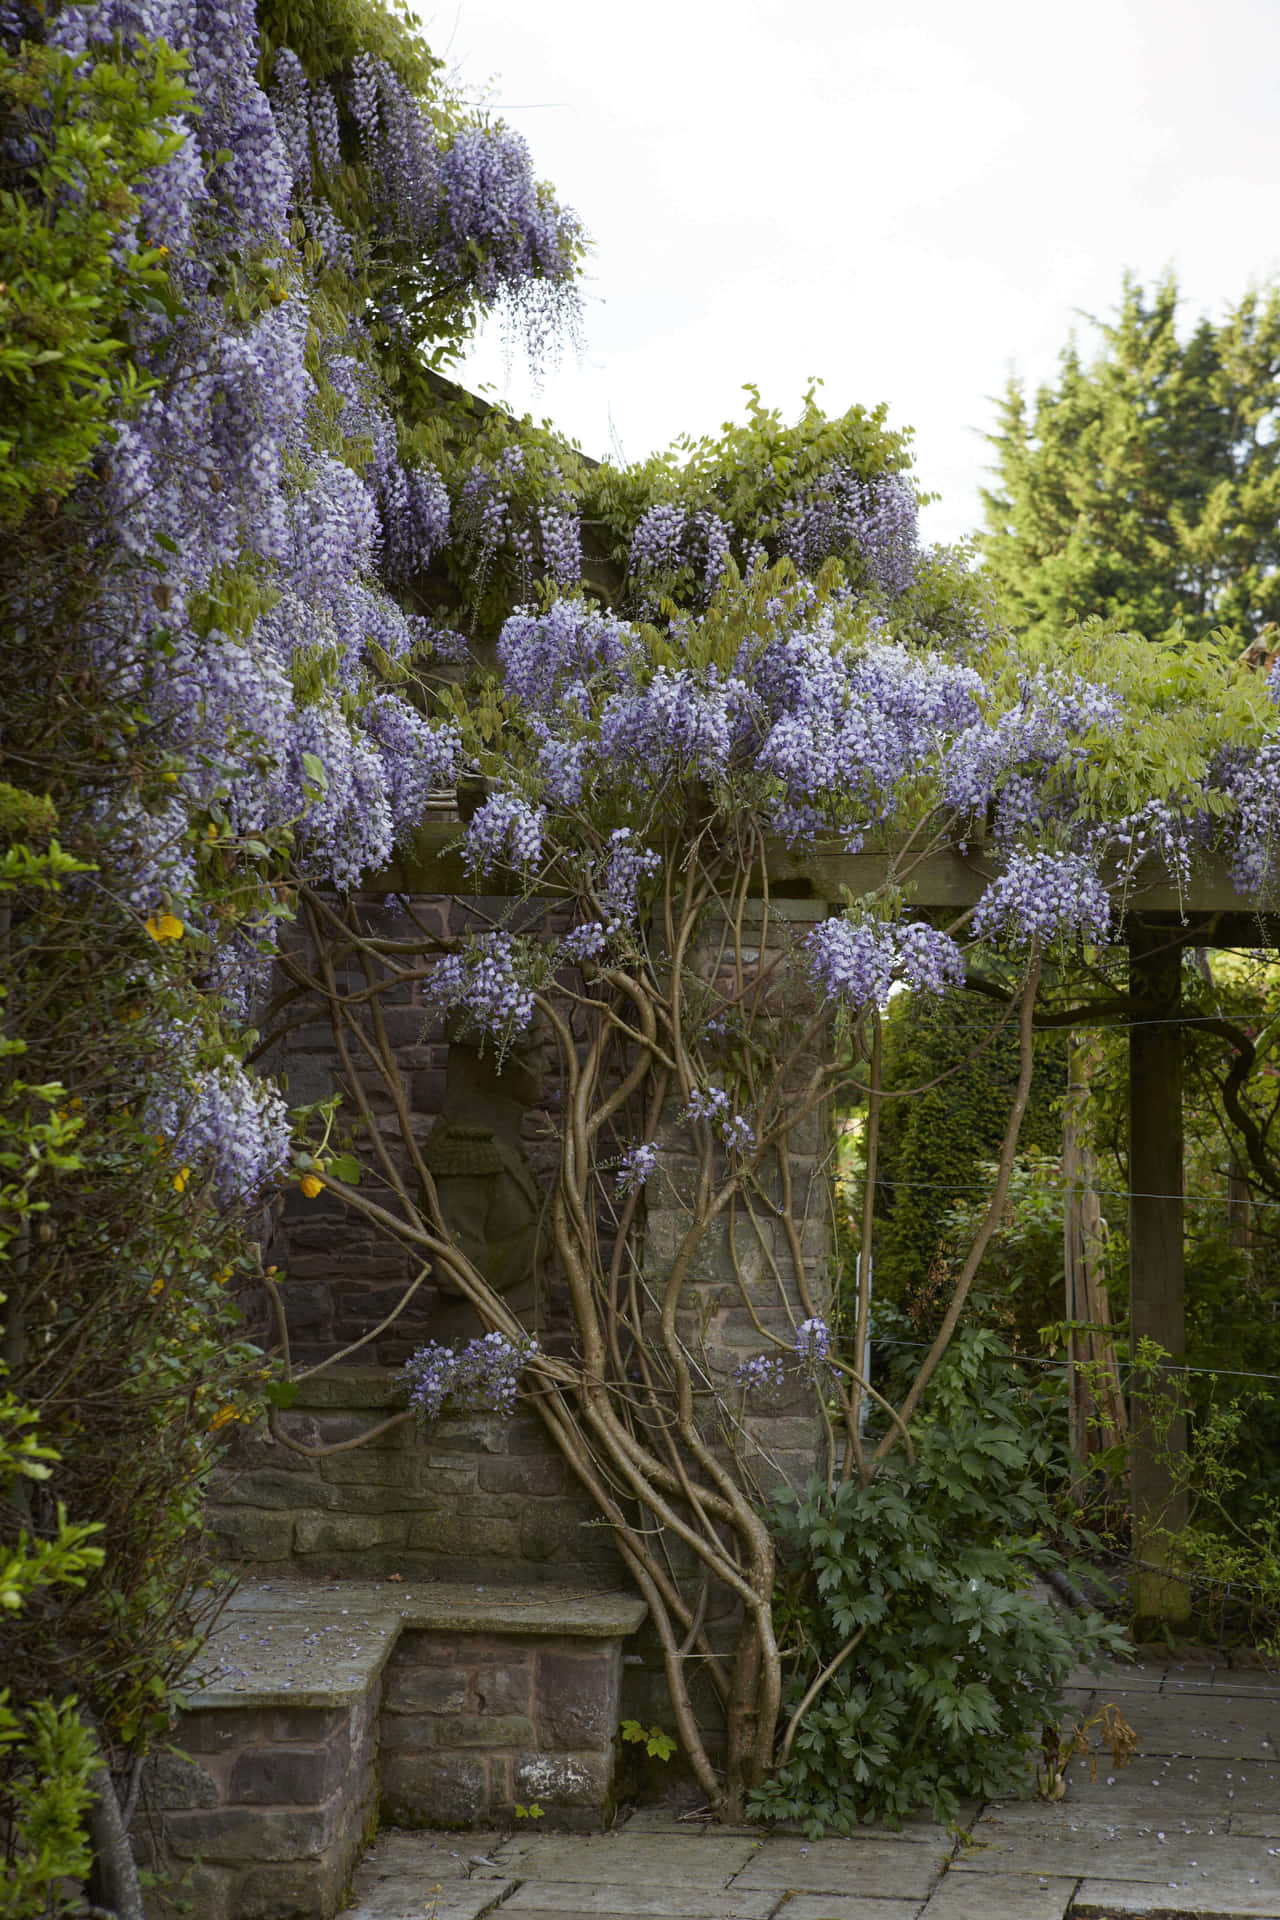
{"x": 859, "y": 961}
{"x": 840, "y": 513}
{"x": 228, "y": 1125}
{"x": 668, "y": 538}
{"x": 1043, "y": 897}
{"x": 480, "y": 1377}
{"x": 813, "y": 1341}
{"x": 712, "y": 1105}
{"x": 764, "y": 1374}
{"x": 483, "y": 982}
{"x": 851, "y": 724}
{"x": 638, "y": 1163}
{"x": 1047, "y": 729}
{"x": 543, "y": 656}
{"x": 1253, "y": 833}
{"x": 626, "y": 866}
{"x": 586, "y": 942}
{"x": 504, "y": 831}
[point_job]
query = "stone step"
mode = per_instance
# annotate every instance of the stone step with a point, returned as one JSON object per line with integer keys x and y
{"x": 320, "y": 1708}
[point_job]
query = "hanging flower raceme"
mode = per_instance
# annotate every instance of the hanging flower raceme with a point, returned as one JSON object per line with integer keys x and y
{"x": 504, "y": 831}
{"x": 556, "y": 657}
{"x": 859, "y": 962}
{"x": 483, "y": 982}
{"x": 1041, "y": 897}
{"x": 480, "y": 1377}
{"x": 228, "y": 1127}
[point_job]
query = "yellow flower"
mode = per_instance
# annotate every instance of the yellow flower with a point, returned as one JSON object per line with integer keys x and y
{"x": 156, "y": 1287}
{"x": 164, "y": 926}
{"x": 180, "y": 1179}
{"x": 222, "y": 1418}
{"x": 311, "y": 1185}
{"x": 223, "y": 1277}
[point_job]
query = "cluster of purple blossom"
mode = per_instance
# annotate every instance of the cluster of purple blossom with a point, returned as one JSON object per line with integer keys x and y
{"x": 1252, "y": 779}
{"x": 480, "y": 1377}
{"x": 1044, "y": 735}
{"x": 505, "y": 831}
{"x": 626, "y": 866}
{"x": 860, "y": 961}
{"x": 227, "y": 1125}
{"x": 546, "y": 658}
{"x": 502, "y": 502}
{"x": 585, "y": 942}
{"x": 667, "y": 540}
{"x": 763, "y": 1374}
{"x": 712, "y": 1104}
{"x": 841, "y": 511}
{"x": 1161, "y": 830}
{"x": 813, "y": 1342}
{"x": 482, "y": 981}
{"x": 1042, "y": 897}
{"x": 847, "y": 725}
{"x": 638, "y": 1164}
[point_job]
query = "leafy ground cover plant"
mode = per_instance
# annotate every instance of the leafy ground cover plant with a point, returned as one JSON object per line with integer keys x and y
{"x": 926, "y": 1667}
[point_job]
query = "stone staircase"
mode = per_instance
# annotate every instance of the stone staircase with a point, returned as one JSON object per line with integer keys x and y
{"x": 322, "y": 1707}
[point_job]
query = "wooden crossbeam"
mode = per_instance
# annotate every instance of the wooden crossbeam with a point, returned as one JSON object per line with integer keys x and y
{"x": 430, "y": 861}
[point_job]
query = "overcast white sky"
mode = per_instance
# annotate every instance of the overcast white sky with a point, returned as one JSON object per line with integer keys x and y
{"x": 908, "y": 202}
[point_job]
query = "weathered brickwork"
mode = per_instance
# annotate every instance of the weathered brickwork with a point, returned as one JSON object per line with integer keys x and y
{"x": 474, "y": 1725}
{"x": 263, "y": 1812}
{"x": 466, "y": 1497}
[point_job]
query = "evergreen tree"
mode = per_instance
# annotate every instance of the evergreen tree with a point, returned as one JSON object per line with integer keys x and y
{"x": 1145, "y": 485}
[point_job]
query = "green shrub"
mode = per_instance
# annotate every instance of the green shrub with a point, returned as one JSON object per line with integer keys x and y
{"x": 959, "y": 1666}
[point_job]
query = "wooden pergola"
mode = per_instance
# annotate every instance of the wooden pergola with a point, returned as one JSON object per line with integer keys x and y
{"x": 1158, "y": 923}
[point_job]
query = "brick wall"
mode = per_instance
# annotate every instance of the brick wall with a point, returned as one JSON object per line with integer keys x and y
{"x": 466, "y": 1497}
{"x": 474, "y": 1725}
{"x": 263, "y": 1812}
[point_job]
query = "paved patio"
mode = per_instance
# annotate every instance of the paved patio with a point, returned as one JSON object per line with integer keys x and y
{"x": 1190, "y": 1827}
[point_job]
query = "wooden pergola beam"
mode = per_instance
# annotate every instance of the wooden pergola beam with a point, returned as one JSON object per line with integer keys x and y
{"x": 430, "y": 861}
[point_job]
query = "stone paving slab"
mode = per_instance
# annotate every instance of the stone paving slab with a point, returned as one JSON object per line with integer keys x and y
{"x": 871, "y": 1866}
{"x": 1203, "y": 1724}
{"x": 1120, "y": 1855}
{"x": 1174, "y": 1792}
{"x": 830, "y": 1906}
{"x": 1016, "y": 1897}
{"x": 561, "y": 1898}
{"x": 625, "y": 1859}
{"x": 1234, "y": 1898}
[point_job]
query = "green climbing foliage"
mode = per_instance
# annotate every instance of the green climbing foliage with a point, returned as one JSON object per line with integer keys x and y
{"x": 72, "y": 283}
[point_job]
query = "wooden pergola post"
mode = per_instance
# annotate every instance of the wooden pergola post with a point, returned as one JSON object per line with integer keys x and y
{"x": 1156, "y": 1305}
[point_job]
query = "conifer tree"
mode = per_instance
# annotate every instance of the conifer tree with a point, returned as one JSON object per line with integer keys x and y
{"x": 1144, "y": 484}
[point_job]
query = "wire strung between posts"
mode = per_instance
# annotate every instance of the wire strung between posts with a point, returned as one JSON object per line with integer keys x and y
{"x": 1104, "y": 1193}
{"x": 1061, "y": 1366}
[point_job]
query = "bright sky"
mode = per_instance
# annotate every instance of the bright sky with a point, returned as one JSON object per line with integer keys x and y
{"x": 909, "y": 202}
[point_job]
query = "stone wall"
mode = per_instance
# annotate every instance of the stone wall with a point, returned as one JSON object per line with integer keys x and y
{"x": 263, "y": 1812}
{"x": 466, "y": 1497}
{"x": 341, "y": 1278}
{"x": 474, "y": 1725}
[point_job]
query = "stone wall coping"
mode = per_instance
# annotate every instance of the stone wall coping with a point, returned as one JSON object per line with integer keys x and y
{"x": 291, "y": 1643}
